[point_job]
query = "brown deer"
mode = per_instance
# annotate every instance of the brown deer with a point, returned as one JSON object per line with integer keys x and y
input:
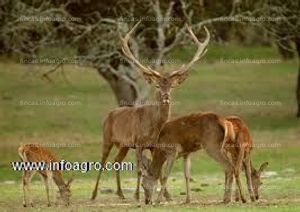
{"x": 34, "y": 153}
{"x": 182, "y": 136}
{"x": 139, "y": 126}
{"x": 238, "y": 152}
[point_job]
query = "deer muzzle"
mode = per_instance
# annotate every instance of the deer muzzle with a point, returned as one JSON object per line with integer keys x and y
{"x": 166, "y": 99}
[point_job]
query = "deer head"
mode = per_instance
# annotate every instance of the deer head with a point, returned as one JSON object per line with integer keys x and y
{"x": 256, "y": 178}
{"x": 149, "y": 182}
{"x": 164, "y": 82}
{"x": 65, "y": 191}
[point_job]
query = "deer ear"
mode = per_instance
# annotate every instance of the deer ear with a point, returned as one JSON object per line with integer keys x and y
{"x": 177, "y": 79}
{"x": 150, "y": 78}
{"x": 146, "y": 162}
{"x": 263, "y": 167}
{"x": 144, "y": 172}
{"x": 145, "y": 165}
{"x": 70, "y": 180}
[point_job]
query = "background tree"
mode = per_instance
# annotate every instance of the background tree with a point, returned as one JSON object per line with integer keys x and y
{"x": 92, "y": 28}
{"x": 284, "y": 27}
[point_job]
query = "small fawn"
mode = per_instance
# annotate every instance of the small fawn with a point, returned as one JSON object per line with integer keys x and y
{"x": 35, "y": 153}
{"x": 237, "y": 151}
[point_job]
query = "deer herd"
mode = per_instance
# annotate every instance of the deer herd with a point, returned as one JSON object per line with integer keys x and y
{"x": 225, "y": 139}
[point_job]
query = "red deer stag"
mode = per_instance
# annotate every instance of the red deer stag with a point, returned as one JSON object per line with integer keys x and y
{"x": 34, "y": 153}
{"x": 139, "y": 126}
{"x": 181, "y": 137}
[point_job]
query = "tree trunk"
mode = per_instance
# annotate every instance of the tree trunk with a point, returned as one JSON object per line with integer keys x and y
{"x": 298, "y": 79}
{"x": 125, "y": 93}
{"x": 298, "y": 90}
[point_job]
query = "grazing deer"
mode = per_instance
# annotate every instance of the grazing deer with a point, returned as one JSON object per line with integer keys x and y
{"x": 182, "y": 136}
{"x": 35, "y": 153}
{"x": 239, "y": 150}
{"x": 139, "y": 126}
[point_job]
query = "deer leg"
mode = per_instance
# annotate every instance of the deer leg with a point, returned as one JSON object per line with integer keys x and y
{"x": 25, "y": 190}
{"x": 224, "y": 152}
{"x": 27, "y": 175}
{"x": 169, "y": 164}
{"x": 237, "y": 195}
{"x": 46, "y": 180}
{"x": 228, "y": 185}
{"x": 105, "y": 152}
{"x": 139, "y": 155}
{"x": 237, "y": 173}
{"x": 229, "y": 172}
{"x": 187, "y": 167}
{"x": 167, "y": 195}
{"x": 120, "y": 157}
{"x": 239, "y": 187}
{"x": 223, "y": 147}
{"x": 247, "y": 166}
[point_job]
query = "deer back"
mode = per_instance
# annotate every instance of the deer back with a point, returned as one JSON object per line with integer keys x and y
{"x": 35, "y": 153}
{"x": 243, "y": 137}
{"x": 127, "y": 125}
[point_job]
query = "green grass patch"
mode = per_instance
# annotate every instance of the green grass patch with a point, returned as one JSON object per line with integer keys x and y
{"x": 262, "y": 94}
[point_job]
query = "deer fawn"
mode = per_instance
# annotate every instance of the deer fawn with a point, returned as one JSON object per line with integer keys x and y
{"x": 239, "y": 150}
{"x": 182, "y": 136}
{"x": 35, "y": 153}
{"x": 139, "y": 126}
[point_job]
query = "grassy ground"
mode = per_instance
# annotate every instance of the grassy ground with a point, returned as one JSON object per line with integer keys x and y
{"x": 216, "y": 85}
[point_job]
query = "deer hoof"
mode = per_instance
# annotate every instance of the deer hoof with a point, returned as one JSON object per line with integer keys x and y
{"x": 49, "y": 205}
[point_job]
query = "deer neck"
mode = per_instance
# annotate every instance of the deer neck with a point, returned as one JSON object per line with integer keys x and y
{"x": 156, "y": 164}
{"x": 59, "y": 180}
{"x": 252, "y": 167}
{"x": 163, "y": 110}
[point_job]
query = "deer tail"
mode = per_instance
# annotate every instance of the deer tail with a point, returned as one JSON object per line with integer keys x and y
{"x": 229, "y": 134}
{"x": 21, "y": 152}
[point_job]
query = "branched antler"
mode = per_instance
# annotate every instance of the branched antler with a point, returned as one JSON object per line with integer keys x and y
{"x": 199, "y": 53}
{"x": 126, "y": 50}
